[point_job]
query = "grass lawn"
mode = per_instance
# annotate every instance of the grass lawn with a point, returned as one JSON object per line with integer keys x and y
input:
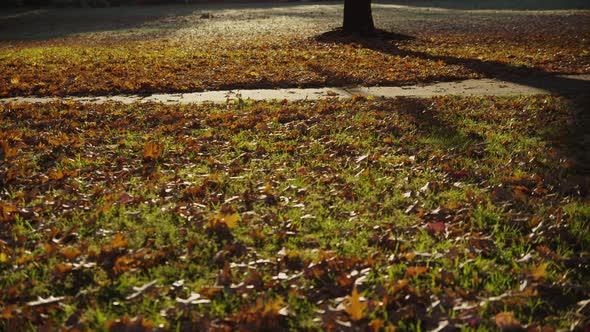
{"x": 369, "y": 214}
{"x": 141, "y": 50}
{"x": 363, "y": 214}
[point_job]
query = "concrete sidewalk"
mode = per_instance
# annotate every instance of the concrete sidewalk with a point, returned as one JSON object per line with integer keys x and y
{"x": 477, "y": 87}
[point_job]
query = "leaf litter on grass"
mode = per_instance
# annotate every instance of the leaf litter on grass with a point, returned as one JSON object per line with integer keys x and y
{"x": 272, "y": 48}
{"x": 443, "y": 213}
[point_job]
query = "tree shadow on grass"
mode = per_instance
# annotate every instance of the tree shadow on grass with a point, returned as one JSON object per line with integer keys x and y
{"x": 35, "y": 24}
{"x": 576, "y": 146}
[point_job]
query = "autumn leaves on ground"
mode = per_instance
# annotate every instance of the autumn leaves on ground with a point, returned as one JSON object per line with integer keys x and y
{"x": 180, "y": 48}
{"x": 363, "y": 214}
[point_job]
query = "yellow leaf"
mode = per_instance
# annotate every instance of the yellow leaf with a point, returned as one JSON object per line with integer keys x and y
{"x": 3, "y": 257}
{"x": 63, "y": 268}
{"x": 123, "y": 264}
{"x": 354, "y": 308}
{"x": 274, "y": 307}
{"x": 539, "y": 271}
{"x": 70, "y": 252}
{"x": 24, "y": 259}
{"x": 231, "y": 220}
{"x": 129, "y": 86}
{"x": 410, "y": 256}
{"x": 14, "y": 80}
{"x": 266, "y": 189}
{"x": 119, "y": 241}
{"x": 56, "y": 175}
{"x": 50, "y": 248}
{"x": 152, "y": 151}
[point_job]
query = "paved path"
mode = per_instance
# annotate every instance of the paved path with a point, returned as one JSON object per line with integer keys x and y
{"x": 572, "y": 84}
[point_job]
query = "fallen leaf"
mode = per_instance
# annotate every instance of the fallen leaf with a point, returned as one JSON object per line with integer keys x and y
{"x": 539, "y": 272}
{"x": 194, "y": 298}
{"x": 7, "y": 212}
{"x": 426, "y": 187}
{"x": 441, "y": 326}
{"x": 42, "y": 301}
{"x": 8, "y": 312}
{"x": 436, "y": 227}
{"x": 416, "y": 271}
{"x": 361, "y": 158}
{"x": 231, "y": 220}
{"x": 56, "y": 175}
{"x": 224, "y": 277}
{"x": 70, "y": 252}
{"x": 127, "y": 324}
{"x": 119, "y": 241}
{"x": 377, "y": 325}
{"x": 125, "y": 198}
{"x": 24, "y": 259}
{"x": 137, "y": 291}
{"x": 507, "y": 322}
{"x": 63, "y": 268}
{"x": 7, "y": 150}
{"x": 354, "y": 307}
{"x": 458, "y": 175}
{"x": 152, "y": 151}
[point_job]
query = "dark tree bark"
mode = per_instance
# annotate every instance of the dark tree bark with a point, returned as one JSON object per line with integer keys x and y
{"x": 358, "y": 17}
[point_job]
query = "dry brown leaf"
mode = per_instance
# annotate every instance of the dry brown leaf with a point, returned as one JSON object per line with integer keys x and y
{"x": 415, "y": 271}
{"x": 7, "y": 150}
{"x": 507, "y": 322}
{"x": 128, "y": 324}
{"x": 377, "y": 324}
{"x": 123, "y": 264}
{"x": 7, "y": 211}
{"x": 8, "y": 312}
{"x": 436, "y": 227}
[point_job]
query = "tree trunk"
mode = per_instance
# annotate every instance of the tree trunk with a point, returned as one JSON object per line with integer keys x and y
{"x": 358, "y": 17}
